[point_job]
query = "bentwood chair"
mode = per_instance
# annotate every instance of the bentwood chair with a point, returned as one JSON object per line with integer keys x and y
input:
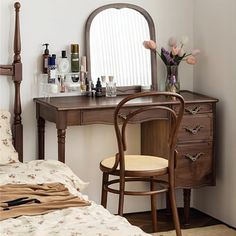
{"x": 147, "y": 168}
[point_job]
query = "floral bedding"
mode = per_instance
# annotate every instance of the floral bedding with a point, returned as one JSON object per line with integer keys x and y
{"x": 8, "y": 153}
{"x": 91, "y": 220}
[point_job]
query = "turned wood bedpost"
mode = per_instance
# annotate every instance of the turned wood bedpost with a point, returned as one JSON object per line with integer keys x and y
{"x": 17, "y": 78}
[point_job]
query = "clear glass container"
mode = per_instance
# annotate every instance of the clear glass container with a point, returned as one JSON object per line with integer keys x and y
{"x": 111, "y": 87}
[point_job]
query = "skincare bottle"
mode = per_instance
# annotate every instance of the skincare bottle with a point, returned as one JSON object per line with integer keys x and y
{"x": 98, "y": 88}
{"x": 74, "y": 58}
{"x": 61, "y": 81}
{"x": 84, "y": 63}
{"x": 82, "y": 78}
{"x": 45, "y": 59}
{"x": 63, "y": 63}
{"x": 51, "y": 70}
{"x": 52, "y": 85}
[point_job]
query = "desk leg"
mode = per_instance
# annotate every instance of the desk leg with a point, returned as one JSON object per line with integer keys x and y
{"x": 187, "y": 198}
{"x": 41, "y": 135}
{"x": 61, "y": 136}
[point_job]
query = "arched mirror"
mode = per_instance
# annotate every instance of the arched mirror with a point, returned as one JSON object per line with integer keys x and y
{"x": 114, "y": 46}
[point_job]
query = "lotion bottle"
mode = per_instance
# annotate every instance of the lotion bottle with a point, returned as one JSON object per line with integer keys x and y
{"x": 45, "y": 59}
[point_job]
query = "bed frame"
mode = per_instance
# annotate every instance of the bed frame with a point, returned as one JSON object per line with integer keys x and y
{"x": 15, "y": 72}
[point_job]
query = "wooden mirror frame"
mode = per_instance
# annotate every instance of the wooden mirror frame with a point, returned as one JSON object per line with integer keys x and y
{"x": 124, "y": 89}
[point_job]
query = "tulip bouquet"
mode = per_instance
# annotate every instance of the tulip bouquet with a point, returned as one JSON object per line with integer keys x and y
{"x": 176, "y": 54}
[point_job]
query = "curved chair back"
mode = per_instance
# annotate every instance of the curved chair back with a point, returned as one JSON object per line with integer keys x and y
{"x": 152, "y": 106}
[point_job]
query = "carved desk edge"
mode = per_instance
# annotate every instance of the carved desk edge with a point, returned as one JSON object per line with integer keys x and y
{"x": 84, "y": 103}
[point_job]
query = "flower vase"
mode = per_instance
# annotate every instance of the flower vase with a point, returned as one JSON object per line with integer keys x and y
{"x": 172, "y": 80}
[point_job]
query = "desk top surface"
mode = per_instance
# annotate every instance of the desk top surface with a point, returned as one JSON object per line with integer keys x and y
{"x": 84, "y": 102}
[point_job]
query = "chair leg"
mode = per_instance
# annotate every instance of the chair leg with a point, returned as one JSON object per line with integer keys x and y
{"x": 104, "y": 192}
{"x": 153, "y": 207}
{"x": 174, "y": 211}
{"x": 121, "y": 197}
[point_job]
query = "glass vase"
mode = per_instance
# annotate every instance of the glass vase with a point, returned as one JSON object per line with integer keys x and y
{"x": 172, "y": 79}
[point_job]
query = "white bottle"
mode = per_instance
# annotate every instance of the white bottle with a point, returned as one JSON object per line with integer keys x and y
{"x": 63, "y": 64}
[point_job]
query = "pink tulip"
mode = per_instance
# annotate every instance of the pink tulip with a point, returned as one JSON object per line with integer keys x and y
{"x": 175, "y": 51}
{"x": 191, "y": 60}
{"x": 181, "y": 52}
{"x": 172, "y": 42}
{"x": 150, "y": 45}
{"x": 195, "y": 52}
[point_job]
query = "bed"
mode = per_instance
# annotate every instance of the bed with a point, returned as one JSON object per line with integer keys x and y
{"x": 22, "y": 216}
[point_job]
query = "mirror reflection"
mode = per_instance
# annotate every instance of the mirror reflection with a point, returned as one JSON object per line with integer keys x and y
{"x": 115, "y": 35}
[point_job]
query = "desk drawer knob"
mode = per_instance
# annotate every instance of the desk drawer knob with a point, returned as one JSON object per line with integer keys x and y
{"x": 194, "y": 157}
{"x": 193, "y": 111}
{"x": 193, "y": 130}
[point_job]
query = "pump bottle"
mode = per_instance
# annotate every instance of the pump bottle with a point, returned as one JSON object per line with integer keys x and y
{"x": 45, "y": 57}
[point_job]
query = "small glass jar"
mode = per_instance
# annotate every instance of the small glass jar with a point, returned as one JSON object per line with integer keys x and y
{"x": 111, "y": 87}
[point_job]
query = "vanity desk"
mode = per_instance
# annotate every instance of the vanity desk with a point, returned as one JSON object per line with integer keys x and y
{"x": 196, "y": 140}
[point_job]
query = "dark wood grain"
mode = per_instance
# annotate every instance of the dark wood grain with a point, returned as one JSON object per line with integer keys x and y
{"x": 15, "y": 71}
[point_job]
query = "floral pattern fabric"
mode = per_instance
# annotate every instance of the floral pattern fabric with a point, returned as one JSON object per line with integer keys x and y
{"x": 8, "y": 153}
{"x": 93, "y": 220}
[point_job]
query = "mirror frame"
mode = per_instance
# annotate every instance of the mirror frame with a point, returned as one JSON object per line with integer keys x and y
{"x": 124, "y": 89}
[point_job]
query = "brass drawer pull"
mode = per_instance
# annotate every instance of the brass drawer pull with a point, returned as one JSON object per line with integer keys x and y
{"x": 193, "y": 130}
{"x": 194, "y": 157}
{"x": 193, "y": 111}
{"x": 122, "y": 116}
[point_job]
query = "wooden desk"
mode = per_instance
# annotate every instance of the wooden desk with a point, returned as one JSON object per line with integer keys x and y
{"x": 196, "y": 140}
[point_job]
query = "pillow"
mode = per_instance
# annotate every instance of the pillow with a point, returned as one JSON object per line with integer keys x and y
{"x": 8, "y": 153}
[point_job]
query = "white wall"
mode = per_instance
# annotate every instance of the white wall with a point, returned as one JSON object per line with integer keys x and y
{"x": 215, "y": 34}
{"x": 61, "y": 22}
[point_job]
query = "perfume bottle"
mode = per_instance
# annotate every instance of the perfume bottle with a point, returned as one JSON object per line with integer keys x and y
{"x": 111, "y": 87}
{"x": 63, "y": 63}
{"x": 74, "y": 58}
{"x": 104, "y": 80}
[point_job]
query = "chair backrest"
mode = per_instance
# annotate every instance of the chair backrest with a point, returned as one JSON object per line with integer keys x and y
{"x": 143, "y": 107}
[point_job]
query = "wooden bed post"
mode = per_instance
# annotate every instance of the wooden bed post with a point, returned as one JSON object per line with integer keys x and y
{"x": 17, "y": 78}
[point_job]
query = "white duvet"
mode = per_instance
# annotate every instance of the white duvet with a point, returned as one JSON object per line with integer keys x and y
{"x": 92, "y": 220}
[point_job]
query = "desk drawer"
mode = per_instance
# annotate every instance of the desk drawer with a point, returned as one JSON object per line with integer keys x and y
{"x": 196, "y": 128}
{"x": 195, "y": 165}
{"x": 106, "y": 116}
{"x": 100, "y": 116}
{"x": 196, "y": 108}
